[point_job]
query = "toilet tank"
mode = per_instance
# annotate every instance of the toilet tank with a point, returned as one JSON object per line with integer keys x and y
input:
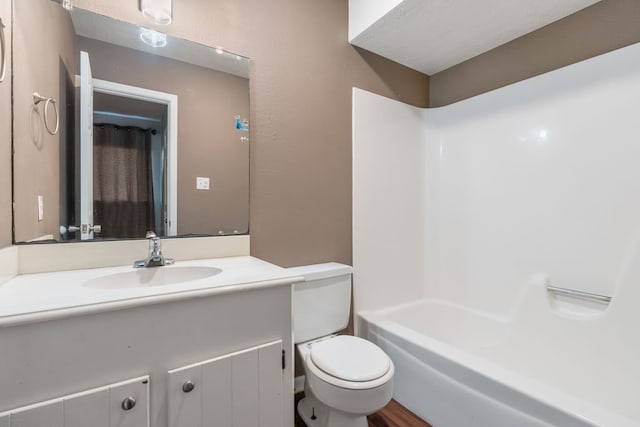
{"x": 321, "y": 304}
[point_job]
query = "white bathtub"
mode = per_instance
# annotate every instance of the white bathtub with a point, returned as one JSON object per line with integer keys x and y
{"x": 546, "y": 363}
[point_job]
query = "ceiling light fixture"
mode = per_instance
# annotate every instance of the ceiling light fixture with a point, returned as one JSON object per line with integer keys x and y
{"x": 158, "y": 12}
{"x": 66, "y": 4}
{"x": 153, "y": 38}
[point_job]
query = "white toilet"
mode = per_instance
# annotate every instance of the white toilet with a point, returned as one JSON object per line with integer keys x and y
{"x": 346, "y": 378}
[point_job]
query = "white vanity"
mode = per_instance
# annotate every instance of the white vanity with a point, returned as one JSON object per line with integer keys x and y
{"x": 123, "y": 347}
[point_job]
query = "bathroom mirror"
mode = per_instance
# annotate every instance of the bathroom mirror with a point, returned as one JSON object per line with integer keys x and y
{"x": 166, "y": 126}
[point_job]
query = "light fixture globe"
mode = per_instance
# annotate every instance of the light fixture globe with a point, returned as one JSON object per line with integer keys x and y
{"x": 158, "y": 12}
{"x": 153, "y": 38}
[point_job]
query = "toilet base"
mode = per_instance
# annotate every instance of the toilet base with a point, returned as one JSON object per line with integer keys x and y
{"x": 316, "y": 414}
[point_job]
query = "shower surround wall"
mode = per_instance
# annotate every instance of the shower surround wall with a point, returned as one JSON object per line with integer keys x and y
{"x": 474, "y": 206}
{"x": 474, "y": 198}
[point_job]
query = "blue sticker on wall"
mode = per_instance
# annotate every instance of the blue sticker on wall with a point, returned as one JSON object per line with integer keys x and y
{"x": 242, "y": 124}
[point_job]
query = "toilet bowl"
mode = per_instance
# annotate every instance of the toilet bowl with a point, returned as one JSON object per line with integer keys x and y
{"x": 346, "y": 377}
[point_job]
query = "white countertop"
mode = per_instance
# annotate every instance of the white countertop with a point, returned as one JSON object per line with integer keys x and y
{"x": 43, "y": 296}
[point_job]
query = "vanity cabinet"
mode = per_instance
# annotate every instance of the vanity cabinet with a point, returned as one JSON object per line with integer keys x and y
{"x": 238, "y": 389}
{"x": 124, "y": 404}
{"x": 234, "y": 346}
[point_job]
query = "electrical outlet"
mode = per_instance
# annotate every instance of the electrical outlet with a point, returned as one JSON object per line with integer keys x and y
{"x": 202, "y": 183}
{"x": 40, "y": 208}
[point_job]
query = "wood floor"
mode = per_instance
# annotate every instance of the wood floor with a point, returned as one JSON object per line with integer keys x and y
{"x": 395, "y": 415}
{"x": 392, "y": 415}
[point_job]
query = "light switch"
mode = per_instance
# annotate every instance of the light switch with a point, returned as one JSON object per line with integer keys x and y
{"x": 202, "y": 183}
{"x": 40, "y": 208}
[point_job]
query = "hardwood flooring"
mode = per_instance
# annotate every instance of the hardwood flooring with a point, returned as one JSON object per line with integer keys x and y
{"x": 395, "y": 415}
{"x": 392, "y": 415}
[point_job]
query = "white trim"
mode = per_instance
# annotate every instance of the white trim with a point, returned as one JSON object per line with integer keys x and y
{"x": 171, "y": 101}
{"x": 86, "y": 147}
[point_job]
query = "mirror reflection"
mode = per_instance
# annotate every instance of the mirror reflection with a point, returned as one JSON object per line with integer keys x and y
{"x": 149, "y": 138}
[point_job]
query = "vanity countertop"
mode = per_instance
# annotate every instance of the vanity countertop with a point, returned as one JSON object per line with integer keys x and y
{"x": 36, "y": 297}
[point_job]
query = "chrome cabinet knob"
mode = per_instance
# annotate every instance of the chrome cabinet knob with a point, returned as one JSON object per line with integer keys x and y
{"x": 128, "y": 403}
{"x": 188, "y": 386}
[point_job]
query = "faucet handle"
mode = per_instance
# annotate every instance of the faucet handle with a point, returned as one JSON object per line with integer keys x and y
{"x": 150, "y": 235}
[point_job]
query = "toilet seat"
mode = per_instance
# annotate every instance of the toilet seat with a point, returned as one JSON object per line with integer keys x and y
{"x": 349, "y": 362}
{"x": 350, "y": 358}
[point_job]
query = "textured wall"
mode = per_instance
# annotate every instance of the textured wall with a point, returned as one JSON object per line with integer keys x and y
{"x": 605, "y": 26}
{"x": 302, "y": 74}
{"x": 38, "y": 58}
{"x": 5, "y": 134}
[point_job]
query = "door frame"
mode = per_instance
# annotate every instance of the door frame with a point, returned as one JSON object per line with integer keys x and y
{"x": 171, "y": 101}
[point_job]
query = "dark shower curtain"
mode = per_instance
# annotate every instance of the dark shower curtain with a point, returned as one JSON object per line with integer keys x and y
{"x": 122, "y": 180}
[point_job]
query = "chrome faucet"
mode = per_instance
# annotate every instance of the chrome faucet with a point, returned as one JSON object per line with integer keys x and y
{"x": 155, "y": 258}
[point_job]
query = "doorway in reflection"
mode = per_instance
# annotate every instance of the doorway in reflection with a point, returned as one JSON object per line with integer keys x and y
{"x": 129, "y": 168}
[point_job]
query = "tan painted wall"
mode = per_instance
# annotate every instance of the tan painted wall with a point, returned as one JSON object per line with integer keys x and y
{"x": 301, "y": 98}
{"x": 5, "y": 133}
{"x": 301, "y": 82}
{"x": 208, "y": 143}
{"x": 605, "y": 26}
{"x": 37, "y": 58}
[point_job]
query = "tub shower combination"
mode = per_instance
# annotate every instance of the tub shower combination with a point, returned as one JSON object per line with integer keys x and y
{"x": 497, "y": 248}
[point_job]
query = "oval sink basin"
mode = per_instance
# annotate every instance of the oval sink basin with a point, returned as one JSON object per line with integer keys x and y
{"x": 153, "y": 276}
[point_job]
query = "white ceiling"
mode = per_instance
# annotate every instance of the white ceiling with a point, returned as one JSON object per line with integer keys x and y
{"x": 433, "y": 35}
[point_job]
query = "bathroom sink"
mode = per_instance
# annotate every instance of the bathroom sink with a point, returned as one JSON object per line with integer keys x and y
{"x": 153, "y": 276}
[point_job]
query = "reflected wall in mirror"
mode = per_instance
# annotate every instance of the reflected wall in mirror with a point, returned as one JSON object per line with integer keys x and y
{"x": 140, "y": 182}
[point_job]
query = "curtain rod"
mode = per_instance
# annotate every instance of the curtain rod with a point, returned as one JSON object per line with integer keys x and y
{"x": 152, "y": 130}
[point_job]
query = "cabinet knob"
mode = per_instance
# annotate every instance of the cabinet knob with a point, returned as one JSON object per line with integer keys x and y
{"x": 128, "y": 403}
{"x": 188, "y": 386}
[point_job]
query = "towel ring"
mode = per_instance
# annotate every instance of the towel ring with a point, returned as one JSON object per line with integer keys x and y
{"x": 3, "y": 52}
{"x": 37, "y": 98}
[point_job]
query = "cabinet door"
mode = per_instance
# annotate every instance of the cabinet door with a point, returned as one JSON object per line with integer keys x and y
{"x": 244, "y": 369}
{"x": 89, "y": 409}
{"x": 106, "y": 406}
{"x": 99, "y": 407}
{"x": 270, "y": 384}
{"x": 129, "y": 404}
{"x": 216, "y": 392}
{"x": 185, "y": 397}
{"x": 47, "y": 414}
{"x": 241, "y": 389}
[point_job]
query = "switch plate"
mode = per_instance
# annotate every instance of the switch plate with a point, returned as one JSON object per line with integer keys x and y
{"x": 202, "y": 183}
{"x": 40, "y": 208}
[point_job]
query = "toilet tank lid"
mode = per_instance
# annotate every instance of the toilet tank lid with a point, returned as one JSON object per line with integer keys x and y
{"x": 321, "y": 271}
